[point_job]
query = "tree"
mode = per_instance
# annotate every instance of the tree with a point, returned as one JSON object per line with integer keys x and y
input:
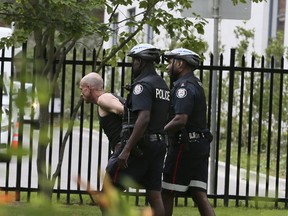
{"x": 246, "y": 39}
{"x": 275, "y": 55}
{"x": 56, "y": 26}
{"x": 261, "y": 98}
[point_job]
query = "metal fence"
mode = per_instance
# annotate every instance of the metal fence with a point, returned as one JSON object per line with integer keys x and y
{"x": 250, "y": 151}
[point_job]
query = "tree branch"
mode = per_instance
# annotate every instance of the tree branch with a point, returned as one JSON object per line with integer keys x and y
{"x": 50, "y": 51}
{"x": 61, "y": 59}
{"x": 113, "y": 53}
{"x": 68, "y": 133}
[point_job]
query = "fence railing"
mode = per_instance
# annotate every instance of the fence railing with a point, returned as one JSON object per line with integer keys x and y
{"x": 251, "y": 139}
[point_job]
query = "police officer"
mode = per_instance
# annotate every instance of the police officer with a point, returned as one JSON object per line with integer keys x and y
{"x": 147, "y": 107}
{"x": 186, "y": 164}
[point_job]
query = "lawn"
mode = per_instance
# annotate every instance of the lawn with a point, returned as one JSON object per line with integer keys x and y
{"x": 123, "y": 206}
{"x": 20, "y": 209}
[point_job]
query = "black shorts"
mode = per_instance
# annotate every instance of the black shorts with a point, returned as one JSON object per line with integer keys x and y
{"x": 142, "y": 172}
{"x": 187, "y": 170}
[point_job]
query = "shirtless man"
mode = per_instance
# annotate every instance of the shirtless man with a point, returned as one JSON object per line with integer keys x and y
{"x": 110, "y": 107}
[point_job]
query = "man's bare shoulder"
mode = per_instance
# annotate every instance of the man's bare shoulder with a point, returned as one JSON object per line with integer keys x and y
{"x": 106, "y": 96}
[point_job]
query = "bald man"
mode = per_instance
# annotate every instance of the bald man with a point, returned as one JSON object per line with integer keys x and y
{"x": 110, "y": 107}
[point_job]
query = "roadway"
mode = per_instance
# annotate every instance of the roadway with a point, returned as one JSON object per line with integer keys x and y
{"x": 90, "y": 154}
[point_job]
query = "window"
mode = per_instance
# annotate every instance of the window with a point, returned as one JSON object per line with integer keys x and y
{"x": 281, "y": 15}
{"x": 131, "y": 15}
{"x": 115, "y": 29}
{"x": 277, "y": 12}
{"x": 150, "y": 34}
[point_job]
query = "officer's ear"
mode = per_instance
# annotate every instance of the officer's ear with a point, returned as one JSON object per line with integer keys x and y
{"x": 138, "y": 60}
{"x": 180, "y": 63}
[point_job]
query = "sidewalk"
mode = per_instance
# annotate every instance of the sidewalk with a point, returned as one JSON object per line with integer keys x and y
{"x": 270, "y": 189}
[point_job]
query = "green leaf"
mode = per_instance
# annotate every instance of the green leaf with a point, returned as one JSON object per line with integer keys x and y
{"x": 143, "y": 4}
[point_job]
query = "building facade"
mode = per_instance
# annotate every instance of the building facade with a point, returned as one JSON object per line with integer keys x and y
{"x": 266, "y": 19}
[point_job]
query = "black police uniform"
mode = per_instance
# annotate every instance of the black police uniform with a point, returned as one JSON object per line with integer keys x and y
{"x": 186, "y": 165}
{"x": 148, "y": 92}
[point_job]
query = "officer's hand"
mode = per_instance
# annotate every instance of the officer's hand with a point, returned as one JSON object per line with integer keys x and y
{"x": 184, "y": 139}
{"x": 123, "y": 159}
{"x": 117, "y": 146}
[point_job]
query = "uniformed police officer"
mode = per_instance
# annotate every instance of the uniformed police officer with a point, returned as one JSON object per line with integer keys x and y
{"x": 186, "y": 165}
{"x": 145, "y": 116}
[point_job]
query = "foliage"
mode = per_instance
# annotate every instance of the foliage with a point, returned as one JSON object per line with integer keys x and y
{"x": 13, "y": 151}
{"x": 245, "y": 1}
{"x": 258, "y": 127}
{"x": 242, "y": 80}
{"x": 276, "y": 49}
{"x": 56, "y": 26}
{"x": 31, "y": 209}
{"x": 246, "y": 39}
{"x": 68, "y": 19}
{"x": 161, "y": 19}
{"x": 113, "y": 202}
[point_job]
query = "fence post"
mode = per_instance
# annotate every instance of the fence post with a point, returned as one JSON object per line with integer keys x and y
{"x": 229, "y": 126}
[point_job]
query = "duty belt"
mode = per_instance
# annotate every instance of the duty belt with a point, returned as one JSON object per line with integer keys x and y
{"x": 128, "y": 126}
{"x": 196, "y": 135}
{"x": 154, "y": 137}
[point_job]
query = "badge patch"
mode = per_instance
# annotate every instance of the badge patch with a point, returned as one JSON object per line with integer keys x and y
{"x": 181, "y": 93}
{"x": 137, "y": 89}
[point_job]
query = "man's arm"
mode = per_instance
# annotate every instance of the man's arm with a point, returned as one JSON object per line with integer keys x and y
{"x": 139, "y": 129}
{"x": 110, "y": 104}
{"x": 178, "y": 122}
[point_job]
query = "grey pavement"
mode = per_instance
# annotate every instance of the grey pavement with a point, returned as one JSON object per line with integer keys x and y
{"x": 86, "y": 151}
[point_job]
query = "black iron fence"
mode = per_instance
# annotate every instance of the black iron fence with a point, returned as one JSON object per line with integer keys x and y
{"x": 250, "y": 151}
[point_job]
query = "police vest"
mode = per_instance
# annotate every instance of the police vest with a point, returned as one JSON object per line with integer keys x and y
{"x": 160, "y": 104}
{"x": 197, "y": 118}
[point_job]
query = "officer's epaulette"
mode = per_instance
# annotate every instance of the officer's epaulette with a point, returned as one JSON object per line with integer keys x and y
{"x": 182, "y": 84}
{"x": 194, "y": 81}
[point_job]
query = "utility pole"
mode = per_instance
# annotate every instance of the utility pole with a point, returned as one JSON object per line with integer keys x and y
{"x": 211, "y": 9}
{"x": 214, "y": 97}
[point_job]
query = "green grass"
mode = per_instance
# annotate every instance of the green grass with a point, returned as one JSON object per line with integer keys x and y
{"x": 252, "y": 162}
{"x": 86, "y": 210}
{"x": 38, "y": 206}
